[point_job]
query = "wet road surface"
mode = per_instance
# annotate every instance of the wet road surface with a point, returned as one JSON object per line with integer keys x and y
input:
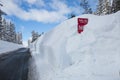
{"x": 14, "y": 65}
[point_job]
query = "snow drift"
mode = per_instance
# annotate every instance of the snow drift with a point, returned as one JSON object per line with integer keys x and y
{"x": 8, "y": 46}
{"x": 63, "y": 54}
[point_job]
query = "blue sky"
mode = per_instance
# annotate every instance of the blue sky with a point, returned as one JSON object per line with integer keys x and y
{"x": 40, "y": 15}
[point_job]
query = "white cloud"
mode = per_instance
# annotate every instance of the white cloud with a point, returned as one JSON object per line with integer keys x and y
{"x": 11, "y": 8}
{"x": 38, "y": 3}
{"x": 58, "y": 12}
{"x": 31, "y": 1}
{"x": 61, "y": 7}
{"x": 45, "y": 16}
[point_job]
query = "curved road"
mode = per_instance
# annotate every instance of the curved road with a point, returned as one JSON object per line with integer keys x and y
{"x": 14, "y": 65}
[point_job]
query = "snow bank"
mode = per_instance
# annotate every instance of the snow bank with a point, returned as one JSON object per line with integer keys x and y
{"x": 8, "y": 46}
{"x": 63, "y": 54}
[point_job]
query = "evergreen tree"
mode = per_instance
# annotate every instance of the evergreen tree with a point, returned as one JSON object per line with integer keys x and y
{"x": 115, "y": 6}
{"x": 8, "y": 33}
{"x": 35, "y": 35}
{"x": 12, "y": 32}
{"x": 4, "y": 30}
{"x": 85, "y": 5}
{"x": 71, "y": 15}
{"x": 18, "y": 38}
{"x": 104, "y": 7}
{"x": 99, "y": 7}
{"x": 1, "y": 25}
{"x": 7, "y": 30}
{"x": 1, "y": 28}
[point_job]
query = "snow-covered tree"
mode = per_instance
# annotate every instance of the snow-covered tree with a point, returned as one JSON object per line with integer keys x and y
{"x": 115, "y": 6}
{"x": 107, "y": 7}
{"x": 85, "y": 5}
{"x": 71, "y": 15}
{"x": 35, "y": 35}
{"x": 12, "y": 32}
{"x": 7, "y": 30}
{"x": 19, "y": 38}
{"x": 1, "y": 28}
{"x": 1, "y": 25}
{"x": 4, "y": 23}
{"x": 104, "y": 7}
{"x": 99, "y": 7}
{"x": 8, "y": 33}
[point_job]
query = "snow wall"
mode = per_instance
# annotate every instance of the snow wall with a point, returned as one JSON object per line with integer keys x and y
{"x": 63, "y": 54}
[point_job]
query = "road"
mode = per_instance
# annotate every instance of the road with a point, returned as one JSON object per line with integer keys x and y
{"x": 14, "y": 65}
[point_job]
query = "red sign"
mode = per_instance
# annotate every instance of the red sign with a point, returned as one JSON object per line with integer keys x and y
{"x": 81, "y": 23}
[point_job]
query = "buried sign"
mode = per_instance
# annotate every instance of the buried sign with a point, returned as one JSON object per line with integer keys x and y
{"x": 81, "y": 23}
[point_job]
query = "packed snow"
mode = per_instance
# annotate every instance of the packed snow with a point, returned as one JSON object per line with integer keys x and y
{"x": 8, "y": 46}
{"x": 63, "y": 54}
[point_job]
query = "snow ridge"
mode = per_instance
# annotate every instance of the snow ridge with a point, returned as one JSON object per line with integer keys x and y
{"x": 63, "y": 54}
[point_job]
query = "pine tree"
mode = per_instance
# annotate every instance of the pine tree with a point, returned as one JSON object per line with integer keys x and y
{"x": 18, "y": 38}
{"x": 99, "y": 7}
{"x": 12, "y": 32}
{"x": 104, "y": 7}
{"x": 1, "y": 28}
{"x": 115, "y": 6}
{"x": 1, "y": 24}
{"x": 71, "y": 15}
{"x": 85, "y": 5}
{"x": 7, "y": 30}
{"x": 4, "y": 29}
{"x": 35, "y": 35}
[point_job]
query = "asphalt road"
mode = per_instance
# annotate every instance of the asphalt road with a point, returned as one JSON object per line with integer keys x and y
{"x": 14, "y": 65}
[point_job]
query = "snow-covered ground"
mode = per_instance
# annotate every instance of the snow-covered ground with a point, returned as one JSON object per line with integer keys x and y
{"x": 63, "y": 54}
{"x": 8, "y": 46}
